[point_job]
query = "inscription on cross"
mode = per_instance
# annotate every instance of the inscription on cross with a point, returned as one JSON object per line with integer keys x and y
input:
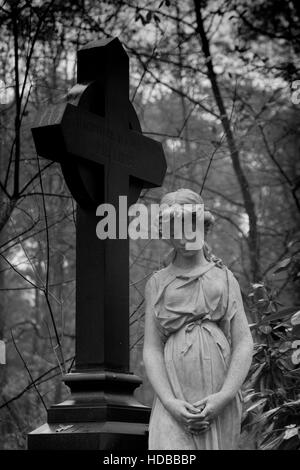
{"x": 97, "y": 139}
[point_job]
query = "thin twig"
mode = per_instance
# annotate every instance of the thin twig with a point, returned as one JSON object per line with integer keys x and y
{"x": 28, "y": 371}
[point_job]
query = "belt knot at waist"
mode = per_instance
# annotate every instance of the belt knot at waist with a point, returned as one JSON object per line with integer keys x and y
{"x": 197, "y": 321}
{"x": 189, "y": 326}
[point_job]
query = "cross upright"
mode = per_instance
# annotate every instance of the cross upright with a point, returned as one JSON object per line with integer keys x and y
{"x": 97, "y": 139}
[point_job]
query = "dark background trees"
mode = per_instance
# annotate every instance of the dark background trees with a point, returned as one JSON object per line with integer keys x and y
{"x": 213, "y": 81}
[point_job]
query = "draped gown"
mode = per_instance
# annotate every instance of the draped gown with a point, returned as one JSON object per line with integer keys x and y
{"x": 193, "y": 309}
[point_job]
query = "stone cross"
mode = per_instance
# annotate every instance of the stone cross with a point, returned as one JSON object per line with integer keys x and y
{"x": 97, "y": 139}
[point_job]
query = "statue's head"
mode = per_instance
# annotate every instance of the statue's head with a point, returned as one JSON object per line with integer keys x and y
{"x": 174, "y": 203}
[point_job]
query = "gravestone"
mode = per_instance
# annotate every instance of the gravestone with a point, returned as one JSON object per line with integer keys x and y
{"x": 97, "y": 139}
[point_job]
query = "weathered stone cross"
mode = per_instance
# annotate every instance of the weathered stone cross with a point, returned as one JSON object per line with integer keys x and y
{"x": 97, "y": 139}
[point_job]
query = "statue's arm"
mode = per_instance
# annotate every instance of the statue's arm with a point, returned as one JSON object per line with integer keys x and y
{"x": 241, "y": 345}
{"x": 153, "y": 349}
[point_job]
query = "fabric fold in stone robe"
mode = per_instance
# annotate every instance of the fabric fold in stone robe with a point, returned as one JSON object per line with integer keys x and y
{"x": 193, "y": 310}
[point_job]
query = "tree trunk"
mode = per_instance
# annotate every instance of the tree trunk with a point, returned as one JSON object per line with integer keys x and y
{"x": 253, "y": 240}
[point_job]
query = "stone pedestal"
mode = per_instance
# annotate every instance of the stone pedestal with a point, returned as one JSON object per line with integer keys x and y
{"x": 101, "y": 414}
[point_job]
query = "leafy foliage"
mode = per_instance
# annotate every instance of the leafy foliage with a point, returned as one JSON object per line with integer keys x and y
{"x": 273, "y": 384}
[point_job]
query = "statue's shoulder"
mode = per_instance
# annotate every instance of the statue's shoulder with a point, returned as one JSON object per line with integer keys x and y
{"x": 221, "y": 265}
{"x": 158, "y": 276}
{"x": 225, "y": 272}
{"x": 155, "y": 276}
{"x": 231, "y": 277}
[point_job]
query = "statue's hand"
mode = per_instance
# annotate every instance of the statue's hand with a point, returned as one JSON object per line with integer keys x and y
{"x": 213, "y": 405}
{"x": 187, "y": 415}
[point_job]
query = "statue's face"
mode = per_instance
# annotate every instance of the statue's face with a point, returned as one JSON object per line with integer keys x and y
{"x": 180, "y": 246}
{"x": 180, "y": 243}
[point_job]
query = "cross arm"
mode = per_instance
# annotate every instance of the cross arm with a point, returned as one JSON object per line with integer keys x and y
{"x": 68, "y": 131}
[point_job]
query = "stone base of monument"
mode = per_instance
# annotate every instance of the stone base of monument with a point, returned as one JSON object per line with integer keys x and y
{"x": 101, "y": 414}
